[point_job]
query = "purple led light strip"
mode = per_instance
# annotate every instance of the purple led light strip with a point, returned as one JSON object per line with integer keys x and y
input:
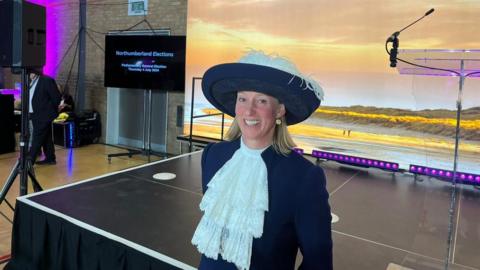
{"x": 463, "y": 177}
{"x": 298, "y": 150}
{"x": 467, "y": 178}
{"x": 360, "y": 161}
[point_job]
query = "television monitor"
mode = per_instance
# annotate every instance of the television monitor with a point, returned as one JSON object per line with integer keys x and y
{"x": 145, "y": 62}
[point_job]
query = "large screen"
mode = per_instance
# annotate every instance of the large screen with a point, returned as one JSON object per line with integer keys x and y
{"x": 370, "y": 110}
{"x": 145, "y": 62}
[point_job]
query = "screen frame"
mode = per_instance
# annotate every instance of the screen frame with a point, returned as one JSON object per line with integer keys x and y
{"x": 109, "y": 81}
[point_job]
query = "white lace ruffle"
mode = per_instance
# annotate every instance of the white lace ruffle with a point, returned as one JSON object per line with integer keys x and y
{"x": 234, "y": 207}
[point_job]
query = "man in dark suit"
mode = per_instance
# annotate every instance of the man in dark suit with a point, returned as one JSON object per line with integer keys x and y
{"x": 44, "y": 101}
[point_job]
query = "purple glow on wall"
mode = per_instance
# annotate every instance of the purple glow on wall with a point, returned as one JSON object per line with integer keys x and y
{"x": 15, "y": 92}
{"x": 55, "y": 35}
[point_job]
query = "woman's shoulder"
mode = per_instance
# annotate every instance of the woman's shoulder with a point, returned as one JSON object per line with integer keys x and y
{"x": 302, "y": 167}
{"x": 221, "y": 147}
{"x": 299, "y": 160}
{"x": 219, "y": 151}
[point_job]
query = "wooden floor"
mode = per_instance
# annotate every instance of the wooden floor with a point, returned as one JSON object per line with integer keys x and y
{"x": 72, "y": 165}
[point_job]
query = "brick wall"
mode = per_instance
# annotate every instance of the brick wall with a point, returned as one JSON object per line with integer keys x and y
{"x": 101, "y": 18}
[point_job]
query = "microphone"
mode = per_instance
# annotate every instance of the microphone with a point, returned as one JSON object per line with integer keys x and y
{"x": 394, "y": 39}
{"x": 396, "y": 34}
{"x": 394, "y": 52}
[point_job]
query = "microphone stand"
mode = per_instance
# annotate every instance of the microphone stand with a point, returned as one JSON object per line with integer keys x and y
{"x": 393, "y": 63}
{"x": 395, "y": 42}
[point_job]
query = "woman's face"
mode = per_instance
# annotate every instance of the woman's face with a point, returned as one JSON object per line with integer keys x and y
{"x": 256, "y": 114}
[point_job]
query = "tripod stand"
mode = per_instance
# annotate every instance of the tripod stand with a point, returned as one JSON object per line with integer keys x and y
{"x": 24, "y": 165}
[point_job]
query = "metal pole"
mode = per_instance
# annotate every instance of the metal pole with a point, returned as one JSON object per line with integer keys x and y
{"x": 149, "y": 134}
{"x": 451, "y": 211}
{"x": 145, "y": 114}
{"x": 80, "y": 91}
{"x": 191, "y": 116}
{"x": 24, "y": 134}
{"x": 166, "y": 122}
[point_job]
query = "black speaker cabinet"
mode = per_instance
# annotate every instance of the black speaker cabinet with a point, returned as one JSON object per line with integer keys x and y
{"x": 23, "y": 34}
{"x": 7, "y": 125}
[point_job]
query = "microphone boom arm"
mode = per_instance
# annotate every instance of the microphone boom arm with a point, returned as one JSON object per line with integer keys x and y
{"x": 396, "y": 34}
{"x": 395, "y": 42}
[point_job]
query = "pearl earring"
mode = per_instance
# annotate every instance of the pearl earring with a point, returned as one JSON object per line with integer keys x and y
{"x": 278, "y": 122}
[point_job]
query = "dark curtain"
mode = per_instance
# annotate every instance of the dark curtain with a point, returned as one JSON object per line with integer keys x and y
{"x": 43, "y": 241}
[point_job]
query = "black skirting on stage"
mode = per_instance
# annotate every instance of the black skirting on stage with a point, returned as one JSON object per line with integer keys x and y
{"x": 125, "y": 220}
{"x": 44, "y": 241}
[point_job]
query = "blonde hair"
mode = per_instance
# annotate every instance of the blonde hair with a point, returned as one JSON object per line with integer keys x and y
{"x": 282, "y": 141}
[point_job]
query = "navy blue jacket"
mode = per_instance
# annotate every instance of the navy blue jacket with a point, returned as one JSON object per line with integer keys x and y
{"x": 298, "y": 216}
{"x": 45, "y": 100}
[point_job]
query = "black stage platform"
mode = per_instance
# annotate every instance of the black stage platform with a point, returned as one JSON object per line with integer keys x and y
{"x": 128, "y": 220}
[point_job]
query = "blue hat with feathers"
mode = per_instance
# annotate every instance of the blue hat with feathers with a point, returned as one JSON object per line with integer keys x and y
{"x": 268, "y": 74}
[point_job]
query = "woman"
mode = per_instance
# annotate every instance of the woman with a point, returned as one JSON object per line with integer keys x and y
{"x": 262, "y": 202}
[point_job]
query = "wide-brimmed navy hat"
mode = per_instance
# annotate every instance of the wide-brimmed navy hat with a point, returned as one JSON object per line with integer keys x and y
{"x": 271, "y": 75}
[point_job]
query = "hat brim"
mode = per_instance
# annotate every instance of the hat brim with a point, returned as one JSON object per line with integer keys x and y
{"x": 221, "y": 83}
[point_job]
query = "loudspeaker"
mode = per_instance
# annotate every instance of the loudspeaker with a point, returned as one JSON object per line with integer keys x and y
{"x": 7, "y": 125}
{"x": 23, "y": 27}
